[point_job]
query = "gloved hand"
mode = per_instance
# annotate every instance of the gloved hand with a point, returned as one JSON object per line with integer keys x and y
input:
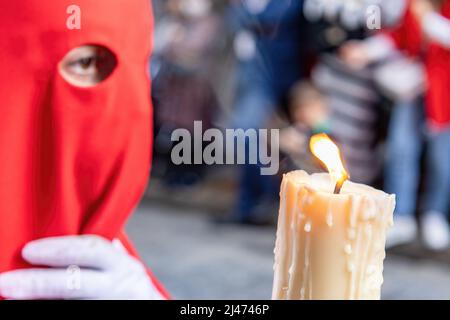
{"x": 81, "y": 267}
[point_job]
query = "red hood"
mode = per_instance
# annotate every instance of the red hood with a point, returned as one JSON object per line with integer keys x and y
{"x": 73, "y": 160}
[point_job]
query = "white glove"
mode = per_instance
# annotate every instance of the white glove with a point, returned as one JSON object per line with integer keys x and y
{"x": 81, "y": 267}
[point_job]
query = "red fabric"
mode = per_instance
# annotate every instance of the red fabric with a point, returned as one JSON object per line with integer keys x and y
{"x": 73, "y": 160}
{"x": 410, "y": 37}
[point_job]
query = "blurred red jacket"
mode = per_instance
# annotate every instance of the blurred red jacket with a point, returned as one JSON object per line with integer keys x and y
{"x": 409, "y": 36}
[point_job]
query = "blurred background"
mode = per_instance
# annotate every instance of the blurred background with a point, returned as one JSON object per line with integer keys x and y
{"x": 303, "y": 67}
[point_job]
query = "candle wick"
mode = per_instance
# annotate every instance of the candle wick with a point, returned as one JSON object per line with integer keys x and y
{"x": 340, "y": 183}
{"x": 338, "y": 187}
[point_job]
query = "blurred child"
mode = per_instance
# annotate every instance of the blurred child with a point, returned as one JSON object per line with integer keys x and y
{"x": 425, "y": 34}
{"x": 308, "y": 107}
{"x": 309, "y": 114}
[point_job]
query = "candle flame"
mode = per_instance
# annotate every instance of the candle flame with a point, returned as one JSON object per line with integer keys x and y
{"x": 328, "y": 153}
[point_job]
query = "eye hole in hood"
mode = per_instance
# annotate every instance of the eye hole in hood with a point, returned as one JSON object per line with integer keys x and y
{"x": 87, "y": 65}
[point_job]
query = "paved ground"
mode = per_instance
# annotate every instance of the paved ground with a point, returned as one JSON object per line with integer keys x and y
{"x": 197, "y": 260}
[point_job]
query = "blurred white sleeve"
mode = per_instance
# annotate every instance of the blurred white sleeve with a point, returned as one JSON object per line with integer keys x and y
{"x": 437, "y": 28}
{"x": 379, "y": 47}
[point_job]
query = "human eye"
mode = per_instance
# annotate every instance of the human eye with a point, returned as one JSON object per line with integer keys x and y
{"x": 87, "y": 65}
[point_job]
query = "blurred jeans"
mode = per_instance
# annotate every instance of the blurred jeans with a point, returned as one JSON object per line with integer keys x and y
{"x": 255, "y": 192}
{"x": 254, "y": 107}
{"x": 437, "y": 195}
{"x": 404, "y": 149}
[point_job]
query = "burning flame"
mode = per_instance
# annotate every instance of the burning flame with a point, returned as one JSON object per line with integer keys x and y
{"x": 328, "y": 153}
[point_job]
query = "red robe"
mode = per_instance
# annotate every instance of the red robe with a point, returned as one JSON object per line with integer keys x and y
{"x": 409, "y": 37}
{"x": 72, "y": 160}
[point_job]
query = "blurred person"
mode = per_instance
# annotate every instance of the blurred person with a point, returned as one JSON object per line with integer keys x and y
{"x": 75, "y": 148}
{"x": 356, "y": 112}
{"x": 186, "y": 43}
{"x": 186, "y": 34}
{"x": 424, "y": 34}
{"x": 308, "y": 108}
{"x": 401, "y": 80}
{"x": 268, "y": 50}
{"x": 403, "y": 164}
{"x": 309, "y": 113}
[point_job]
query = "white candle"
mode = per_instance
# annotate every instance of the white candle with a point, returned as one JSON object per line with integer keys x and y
{"x": 330, "y": 246}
